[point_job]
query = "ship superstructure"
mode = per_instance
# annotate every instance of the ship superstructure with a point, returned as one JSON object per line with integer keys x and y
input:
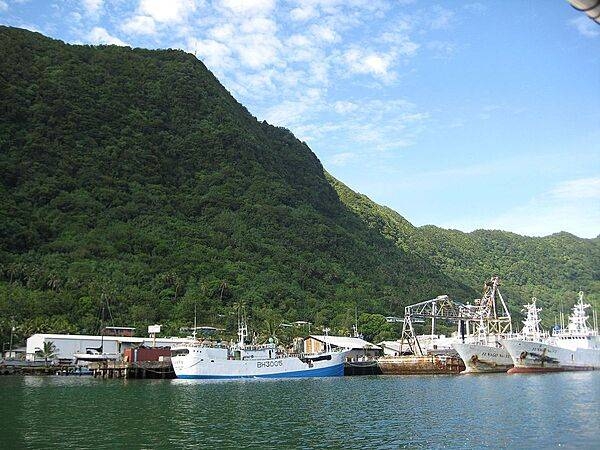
{"x": 577, "y": 347}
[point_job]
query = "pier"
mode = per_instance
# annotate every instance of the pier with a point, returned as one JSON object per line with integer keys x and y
{"x": 129, "y": 370}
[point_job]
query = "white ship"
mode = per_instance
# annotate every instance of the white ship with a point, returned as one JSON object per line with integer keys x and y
{"x": 575, "y": 348}
{"x": 206, "y": 361}
{"x": 480, "y": 349}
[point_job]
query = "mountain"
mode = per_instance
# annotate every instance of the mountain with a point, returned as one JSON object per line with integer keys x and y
{"x": 133, "y": 180}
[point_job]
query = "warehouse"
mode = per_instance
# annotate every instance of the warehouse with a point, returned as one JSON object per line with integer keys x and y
{"x": 66, "y": 345}
{"x": 359, "y": 348}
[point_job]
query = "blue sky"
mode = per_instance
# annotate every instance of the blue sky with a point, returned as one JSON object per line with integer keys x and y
{"x": 461, "y": 114}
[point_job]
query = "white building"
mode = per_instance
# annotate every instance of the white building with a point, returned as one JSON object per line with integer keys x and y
{"x": 360, "y": 349}
{"x": 67, "y": 345}
{"x": 427, "y": 342}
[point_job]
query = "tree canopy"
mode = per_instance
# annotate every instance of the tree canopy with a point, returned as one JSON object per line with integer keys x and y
{"x": 132, "y": 178}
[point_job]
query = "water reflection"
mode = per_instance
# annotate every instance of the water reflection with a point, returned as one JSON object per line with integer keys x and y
{"x": 485, "y": 411}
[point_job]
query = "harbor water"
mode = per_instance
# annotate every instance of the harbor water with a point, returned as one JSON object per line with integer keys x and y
{"x": 461, "y": 411}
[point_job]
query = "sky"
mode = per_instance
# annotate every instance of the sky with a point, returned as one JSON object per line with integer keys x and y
{"x": 460, "y": 114}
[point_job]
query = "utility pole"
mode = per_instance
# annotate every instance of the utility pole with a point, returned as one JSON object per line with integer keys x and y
{"x": 12, "y": 330}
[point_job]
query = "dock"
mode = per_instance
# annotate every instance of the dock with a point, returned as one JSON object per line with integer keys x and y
{"x": 129, "y": 370}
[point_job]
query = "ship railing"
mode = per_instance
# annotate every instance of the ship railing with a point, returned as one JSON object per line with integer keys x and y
{"x": 203, "y": 344}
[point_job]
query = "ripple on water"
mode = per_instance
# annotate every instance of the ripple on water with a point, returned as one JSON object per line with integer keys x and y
{"x": 483, "y": 411}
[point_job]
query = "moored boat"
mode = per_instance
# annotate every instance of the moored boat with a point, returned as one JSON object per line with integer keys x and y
{"x": 491, "y": 321}
{"x": 203, "y": 360}
{"x": 575, "y": 348}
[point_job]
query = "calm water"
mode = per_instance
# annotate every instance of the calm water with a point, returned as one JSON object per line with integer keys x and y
{"x": 480, "y": 411}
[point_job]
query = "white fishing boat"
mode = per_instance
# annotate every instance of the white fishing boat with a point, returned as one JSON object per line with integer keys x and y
{"x": 204, "y": 360}
{"x": 481, "y": 350}
{"x": 575, "y": 348}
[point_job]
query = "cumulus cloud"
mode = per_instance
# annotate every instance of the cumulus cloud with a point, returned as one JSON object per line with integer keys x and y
{"x": 374, "y": 63}
{"x": 303, "y": 13}
{"x": 169, "y": 12}
{"x": 215, "y": 54}
{"x": 139, "y": 25}
{"x": 99, "y": 35}
{"x": 324, "y": 33}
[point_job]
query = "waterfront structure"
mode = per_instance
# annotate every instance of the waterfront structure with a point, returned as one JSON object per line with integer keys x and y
{"x": 489, "y": 321}
{"x": 67, "y": 345}
{"x": 204, "y": 360}
{"x": 358, "y": 349}
{"x": 575, "y": 348}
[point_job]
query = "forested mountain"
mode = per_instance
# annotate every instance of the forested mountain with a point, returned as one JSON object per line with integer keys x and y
{"x": 132, "y": 178}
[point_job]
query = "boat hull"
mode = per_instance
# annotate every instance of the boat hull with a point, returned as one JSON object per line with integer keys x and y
{"x": 480, "y": 358}
{"x": 285, "y": 367}
{"x": 420, "y": 365}
{"x": 530, "y": 356}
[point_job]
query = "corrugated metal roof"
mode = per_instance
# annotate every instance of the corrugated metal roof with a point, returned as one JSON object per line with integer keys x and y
{"x": 79, "y": 337}
{"x": 346, "y": 342}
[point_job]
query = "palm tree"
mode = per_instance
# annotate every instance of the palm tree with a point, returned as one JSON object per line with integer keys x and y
{"x": 272, "y": 324}
{"x": 48, "y": 352}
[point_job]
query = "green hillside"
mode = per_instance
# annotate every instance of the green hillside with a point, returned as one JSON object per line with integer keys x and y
{"x": 133, "y": 178}
{"x": 552, "y": 268}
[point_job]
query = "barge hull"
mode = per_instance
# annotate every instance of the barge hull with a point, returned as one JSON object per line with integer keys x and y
{"x": 420, "y": 365}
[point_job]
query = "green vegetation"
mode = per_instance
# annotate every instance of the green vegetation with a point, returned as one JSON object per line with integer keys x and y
{"x": 48, "y": 352}
{"x": 132, "y": 178}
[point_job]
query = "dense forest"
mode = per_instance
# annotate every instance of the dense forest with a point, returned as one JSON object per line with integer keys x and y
{"x": 133, "y": 181}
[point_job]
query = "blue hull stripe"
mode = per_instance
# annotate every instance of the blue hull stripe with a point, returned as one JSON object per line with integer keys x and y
{"x": 333, "y": 371}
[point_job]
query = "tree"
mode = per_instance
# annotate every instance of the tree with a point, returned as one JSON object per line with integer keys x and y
{"x": 47, "y": 352}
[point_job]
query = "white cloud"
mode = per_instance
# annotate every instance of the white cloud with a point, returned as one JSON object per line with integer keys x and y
{"x": 139, "y": 25}
{"x": 214, "y": 54}
{"x": 3, "y": 6}
{"x": 585, "y": 26}
{"x": 572, "y": 206}
{"x": 169, "y": 12}
{"x": 99, "y": 35}
{"x": 324, "y": 33}
{"x": 249, "y": 7}
{"x": 93, "y": 7}
{"x": 257, "y": 51}
{"x": 369, "y": 62}
{"x": 259, "y": 25}
{"x": 303, "y": 13}
{"x": 583, "y": 188}
{"x": 343, "y": 107}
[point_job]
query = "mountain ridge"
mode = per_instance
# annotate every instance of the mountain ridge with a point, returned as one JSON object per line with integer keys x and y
{"x": 132, "y": 176}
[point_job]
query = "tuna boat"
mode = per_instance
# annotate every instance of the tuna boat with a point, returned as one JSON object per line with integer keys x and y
{"x": 203, "y": 360}
{"x": 490, "y": 320}
{"x": 575, "y": 348}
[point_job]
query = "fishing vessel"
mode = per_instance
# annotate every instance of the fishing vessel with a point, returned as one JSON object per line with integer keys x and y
{"x": 490, "y": 321}
{"x": 205, "y": 360}
{"x": 576, "y": 347}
